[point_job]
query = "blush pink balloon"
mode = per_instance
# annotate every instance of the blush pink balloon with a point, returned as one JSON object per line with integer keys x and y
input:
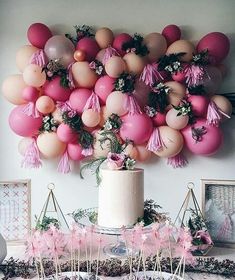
{"x": 30, "y": 94}
{"x": 45, "y": 104}
{"x": 171, "y": 33}
{"x": 210, "y": 143}
{"x": 159, "y": 119}
{"x": 199, "y": 105}
{"x": 57, "y": 92}
{"x": 24, "y": 125}
{"x": 129, "y": 128}
{"x": 119, "y": 40}
{"x": 89, "y": 46}
{"x": 175, "y": 121}
{"x": 115, "y": 103}
{"x": 38, "y": 34}
{"x": 66, "y": 134}
{"x": 103, "y": 87}
{"x": 75, "y": 151}
{"x": 78, "y": 99}
{"x": 217, "y": 44}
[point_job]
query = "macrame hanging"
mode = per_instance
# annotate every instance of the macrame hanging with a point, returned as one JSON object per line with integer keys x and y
{"x": 190, "y": 216}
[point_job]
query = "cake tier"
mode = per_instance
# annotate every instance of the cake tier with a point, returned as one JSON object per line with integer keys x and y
{"x": 121, "y": 197}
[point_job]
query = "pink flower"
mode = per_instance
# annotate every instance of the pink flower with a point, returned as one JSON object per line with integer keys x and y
{"x": 115, "y": 161}
{"x": 203, "y": 236}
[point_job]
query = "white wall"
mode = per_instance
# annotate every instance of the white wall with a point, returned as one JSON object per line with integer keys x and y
{"x": 162, "y": 183}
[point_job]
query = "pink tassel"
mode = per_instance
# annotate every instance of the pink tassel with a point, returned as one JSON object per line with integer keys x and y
{"x": 193, "y": 74}
{"x": 214, "y": 114}
{"x": 70, "y": 76}
{"x": 226, "y": 229}
{"x": 38, "y": 58}
{"x": 65, "y": 107}
{"x": 155, "y": 142}
{"x": 31, "y": 110}
{"x": 92, "y": 103}
{"x": 109, "y": 52}
{"x": 177, "y": 161}
{"x": 32, "y": 156}
{"x": 150, "y": 74}
{"x": 64, "y": 166}
{"x": 87, "y": 152}
{"x": 131, "y": 105}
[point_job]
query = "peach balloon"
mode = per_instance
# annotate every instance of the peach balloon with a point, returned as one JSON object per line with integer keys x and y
{"x": 104, "y": 114}
{"x": 143, "y": 153}
{"x": 12, "y": 89}
{"x": 131, "y": 151}
{"x": 34, "y": 76}
{"x": 115, "y": 103}
{"x": 23, "y": 56}
{"x": 100, "y": 150}
{"x": 57, "y": 115}
{"x": 45, "y": 104}
{"x": 24, "y": 144}
{"x": 156, "y": 44}
{"x": 177, "y": 92}
{"x": 49, "y": 145}
{"x": 174, "y": 121}
{"x": 115, "y": 66}
{"x": 104, "y": 37}
{"x": 223, "y": 104}
{"x": 83, "y": 75}
{"x": 79, "y": 55}
{"x": 135, "y": 63}
{"x": 182, "y": 46}
{"x": 173, "y": 141}
{"x": 90, "y": 118}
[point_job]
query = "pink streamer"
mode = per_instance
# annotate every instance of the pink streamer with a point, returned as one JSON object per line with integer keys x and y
{"x": 155, "y": 142}
{"x": 65, "y": 107}
{"x": 225, "y": 231}
{"x": 150, "y": 74}
{"x": 194, "y": 74}
{"x": 214, "y": 114}
{"x": 64, "y": 166}
{"x": 31, "y": 110}
{"x": 70, "y": 76}
{"x": 177, "y": 161}
{"x": 108, "y": 53}
{"x": 92, "y": 103}
{"x": 131, "y": 105}
{"x": 38, "y": 58}
{"x": 32, "y": 156}
{"x": 87, "y": 152}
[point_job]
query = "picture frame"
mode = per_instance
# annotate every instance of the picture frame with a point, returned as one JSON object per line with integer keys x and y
{"x": 15, "y": 210}
{"x": 218, "y": 209}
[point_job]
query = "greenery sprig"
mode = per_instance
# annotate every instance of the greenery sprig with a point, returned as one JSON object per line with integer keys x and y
{"x": 185, "y": 109}
{"x": 198, "y": 132}
{"x": 197, "y": 90}
{"x": 158, "y": 97}
{"x": 136, "y": 45}
{"x": 46, "y": 222}
{"x": 81, "y": 32}
{"x": 125, "y": 83}
{"x": 200, "y": 59}
{"x": 171, "y": 63}
{"x": 48, "y": 124}
{"x": 114, "y": 123}
{"x": 97, "y": 66}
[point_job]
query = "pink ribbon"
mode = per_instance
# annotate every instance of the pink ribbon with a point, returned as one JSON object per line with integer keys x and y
{"x": 177, "y": 161}
{"x": 108, "y": 53}
{"x": 31, "y": 110}
{"x": 70, "y": 76}
{"x": 150, "y": 74}
{"x": 131, "y": 105}
{"x": 38, "y": 58}
{"x": 65, "y": 107}
{"x": 92, "y": 103}
{"x": 155, "y": 142}
{"x": 87, "y": 152}
{"x": 214, "y": 114}
{"x": 64, "y": 165}
{"x": 32, "y": 156}
{"x": 193, "y": 74}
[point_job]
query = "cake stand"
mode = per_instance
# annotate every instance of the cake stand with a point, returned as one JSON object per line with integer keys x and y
{"x": 117, "y": 249}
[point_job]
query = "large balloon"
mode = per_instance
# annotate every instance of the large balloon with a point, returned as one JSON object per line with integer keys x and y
{"x": 119, "y": 40}
{"x": 135, "y": 63}
{"x": 89, "y": 46}
{"x": 66, "y": 134}
{"x": 115, "y": 66}
{"x": 34, "y": 76}
{"x": 12, "y": 89}
{"x": 137, "y": 128}
{"x": 24, "y": 125}
{"x": 83, "y": 75}
{"x": 103, "y": 87}
{"x": 209, "y": 140}
{"x": 90, "y": 118}
{"x": 182, "y": 46}
{"x": 115, "y": 103}
{"x": 78, "y": 99}
{"x": 23, "y": 56}
{"x": 104, "y": 37}
{"x": 171, "y": 33}
{"x": 199, "y": 105}
{"x": 60, "y": 47}
{"x": 38, "y": 34}
{"x": 75, "y": 151}
{"x": 156, "y": 44}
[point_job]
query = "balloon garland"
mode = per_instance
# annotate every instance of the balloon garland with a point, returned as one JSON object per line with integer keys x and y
{"x": 157, "y": 91}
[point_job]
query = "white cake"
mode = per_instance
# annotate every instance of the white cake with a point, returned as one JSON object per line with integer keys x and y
{"x": 121, "y": 197}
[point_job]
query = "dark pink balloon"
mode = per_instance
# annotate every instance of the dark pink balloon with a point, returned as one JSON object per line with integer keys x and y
{"x": 56, "y": 91}
{"x": 171, "y": 33}
{"x": 103, "y": 87}
{"x": 89, "y": 46}
{"x": 66, "y": 134}
{"x": 78, "y": 99}
{"x": 199, "y": 105}
{"x": 38, "y": 34}
{"x": 217, "y": 44}
{"x": 75, "y": 152}
{"x": 30, "y": 94}
{"x": 22, "y": 124}
{"x": 137, "y": 128}
{"x": 159, "y": 119}
{"x": 210, "y": 143}
{"x": 119, "y": 40}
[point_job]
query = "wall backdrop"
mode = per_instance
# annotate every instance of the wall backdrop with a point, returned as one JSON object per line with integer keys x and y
{"x": 165, "y": 185}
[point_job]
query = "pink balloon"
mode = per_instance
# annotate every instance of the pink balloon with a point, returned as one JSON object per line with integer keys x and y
{"x": 171, "y": 33}
{"x": 38, "y": 34}
{"x": 119, "y": 40}
{"x": 210, "y": 142}
{"x": 199, "y": 105}
{"x": 66, "y": 134}
{"x": 78, "y": 99}
{"x": 57, "y": 92}
{"x": 103, "y": 87}
{"x": 89, "y": 46}
{"x": 22, "y": 124}
{"x": 30, "y": 94}
{"x": 75, "y": 152}
{"x": 129, "y": 128}
{"x": 217, "y": 44}
{"x": 159, "y": 119}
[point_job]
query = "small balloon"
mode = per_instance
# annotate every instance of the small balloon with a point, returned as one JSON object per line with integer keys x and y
{"x": 89, "y": 46}
{"x": 78, "y": 99}
{"x": 75, "y": 152}
{"x": 66, "y": 134}
{"x": 176, "y": 121}
{"x": 30, "y": 94}
{"x": 38, "y": 34}
{"x": 79, "y": 55}
{"x": 171, "y": 33}
{"x": 45, "y": 105}
{"x": 104, "y": 37}
{"x": 103, "y": 87}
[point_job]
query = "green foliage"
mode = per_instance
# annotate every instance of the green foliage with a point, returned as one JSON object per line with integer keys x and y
{"x": 201, "y": 59}
{"x": 48, "y": 124}
{"x": 46, "y": 222}
{"x": 114, "y": 123}
{"x": 125, "y": 83}
{"x": 92, "y": 215}
{"x": 171, "y": 63}
{"x": 81, "y": 32}
{"x": 158, "y": 98}
{"x": 137, "y": 45}
{"x": 197, "y": 90}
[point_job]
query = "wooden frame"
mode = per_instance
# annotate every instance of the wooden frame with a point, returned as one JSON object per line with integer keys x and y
{"x": 213, "y": 213}
{"x": 15, "y": 210}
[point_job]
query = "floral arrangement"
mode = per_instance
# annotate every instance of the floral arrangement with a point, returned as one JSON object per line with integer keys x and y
{"x": 163, "y": 89}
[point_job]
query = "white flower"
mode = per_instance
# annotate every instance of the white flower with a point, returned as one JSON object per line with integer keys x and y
{"x": 130, "y": 163}
{"x": 108, "y": 125}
